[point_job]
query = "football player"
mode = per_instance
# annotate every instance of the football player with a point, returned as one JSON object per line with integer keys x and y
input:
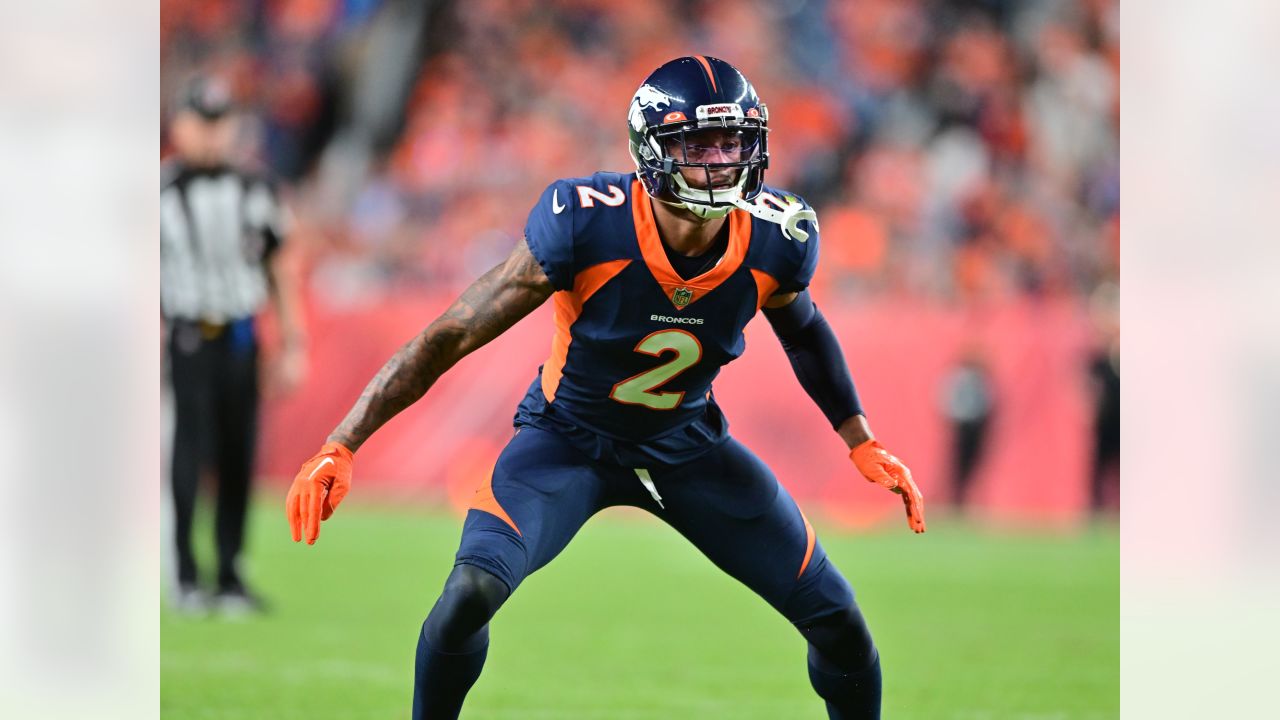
{"x": 653, "y": 276}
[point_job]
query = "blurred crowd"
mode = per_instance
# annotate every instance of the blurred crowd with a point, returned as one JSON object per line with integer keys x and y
{"x": 964, "y": 151}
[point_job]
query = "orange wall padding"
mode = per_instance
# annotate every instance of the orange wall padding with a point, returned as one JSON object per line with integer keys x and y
{"x": 899, "y": 351}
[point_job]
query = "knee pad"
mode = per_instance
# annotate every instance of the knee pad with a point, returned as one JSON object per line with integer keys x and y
{"x": 470, "y": 598}
{"x": 841, "y": 640}
{"x": 822, "y": 591}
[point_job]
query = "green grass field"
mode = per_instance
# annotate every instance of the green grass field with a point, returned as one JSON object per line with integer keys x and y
{"x": 631, "y": 622}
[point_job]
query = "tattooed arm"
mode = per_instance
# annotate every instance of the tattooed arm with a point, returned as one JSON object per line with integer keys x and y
{"x": 493, "y": 303}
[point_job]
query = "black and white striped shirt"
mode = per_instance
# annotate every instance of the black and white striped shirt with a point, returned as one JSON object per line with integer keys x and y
{"x": 218, "y": 227}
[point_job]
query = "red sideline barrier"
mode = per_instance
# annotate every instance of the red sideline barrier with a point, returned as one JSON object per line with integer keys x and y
{"x": 899, "y": 352}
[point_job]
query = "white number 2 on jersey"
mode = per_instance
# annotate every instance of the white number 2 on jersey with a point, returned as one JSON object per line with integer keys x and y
{"x": 588, "y": 195}
{"x": 642, "y": 389}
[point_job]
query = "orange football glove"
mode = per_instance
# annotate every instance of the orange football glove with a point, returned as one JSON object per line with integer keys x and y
{"x": 877, "y": 465}
{"x": 320, "y": 485}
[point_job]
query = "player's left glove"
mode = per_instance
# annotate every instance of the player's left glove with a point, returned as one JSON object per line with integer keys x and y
{"x": 877, "y": 465}
{"x": 318, "y": 488}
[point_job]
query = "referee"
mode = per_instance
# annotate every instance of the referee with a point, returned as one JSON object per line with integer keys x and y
{"x": 220, "y": 232}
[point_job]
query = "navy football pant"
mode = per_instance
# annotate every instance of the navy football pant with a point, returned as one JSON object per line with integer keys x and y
{"x": 727, "y": 503}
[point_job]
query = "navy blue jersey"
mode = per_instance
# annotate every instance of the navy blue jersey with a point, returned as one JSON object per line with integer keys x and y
{"x": 636, "y": 347}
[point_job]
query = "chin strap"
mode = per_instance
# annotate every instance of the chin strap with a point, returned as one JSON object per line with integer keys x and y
{"x": 706, "y": 212}
{"x": 789, "y": 219}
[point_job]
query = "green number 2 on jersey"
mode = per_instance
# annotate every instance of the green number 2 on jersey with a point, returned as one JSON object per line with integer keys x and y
{"x": 642, "y": 389}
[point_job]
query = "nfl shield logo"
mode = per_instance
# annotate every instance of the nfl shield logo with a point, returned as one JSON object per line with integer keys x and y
{"x": 681, "y": 297}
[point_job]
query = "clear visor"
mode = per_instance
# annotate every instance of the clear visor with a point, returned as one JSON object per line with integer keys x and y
{"x": 714, "y": 147}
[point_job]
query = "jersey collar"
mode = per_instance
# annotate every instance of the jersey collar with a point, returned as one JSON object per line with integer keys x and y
{"x": 679, "y": 291}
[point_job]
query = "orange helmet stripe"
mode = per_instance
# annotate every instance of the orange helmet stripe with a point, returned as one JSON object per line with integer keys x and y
{"x": 707, "y": 66}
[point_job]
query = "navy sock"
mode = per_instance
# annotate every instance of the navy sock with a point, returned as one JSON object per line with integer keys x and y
{"x": 442, "y": 679}
{"x": 849, "y": 696}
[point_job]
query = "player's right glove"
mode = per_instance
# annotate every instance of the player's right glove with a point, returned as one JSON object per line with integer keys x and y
{"x": 880, "y": 467}
{"x": 320, "y": 485}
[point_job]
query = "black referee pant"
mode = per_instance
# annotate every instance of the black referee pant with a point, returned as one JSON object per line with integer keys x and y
{"x": 214, "y": 372}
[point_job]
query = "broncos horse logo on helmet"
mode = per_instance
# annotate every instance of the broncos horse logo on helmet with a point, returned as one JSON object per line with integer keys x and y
{"x": 646, "y": 98}
{"x": 676, "y": 104}
{"x": 651, "y": 98}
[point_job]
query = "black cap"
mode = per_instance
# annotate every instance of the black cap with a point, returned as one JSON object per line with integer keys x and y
{"x": 208, "y": 97}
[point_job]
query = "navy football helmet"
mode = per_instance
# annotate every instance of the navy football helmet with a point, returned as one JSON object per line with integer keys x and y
{"x": 700, "y": 113}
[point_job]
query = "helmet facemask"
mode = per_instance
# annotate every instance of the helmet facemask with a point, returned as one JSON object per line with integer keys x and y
{"x": 724, "y": 154}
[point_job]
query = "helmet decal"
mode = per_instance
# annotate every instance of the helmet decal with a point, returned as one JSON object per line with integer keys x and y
{"x": 729, "y": 110}
{"x": 635, "y": 116}
{"x": 651, "y": 98}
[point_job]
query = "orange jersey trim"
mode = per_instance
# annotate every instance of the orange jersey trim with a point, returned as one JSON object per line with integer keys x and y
{"x": 810, "y": 539}
{"x": 766, "y": 286}
{"x": 707, "y": 67}
{"x": 568, "y": 306}
{"x": 656, "y": 258}
{"x": 485, "y": 501}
